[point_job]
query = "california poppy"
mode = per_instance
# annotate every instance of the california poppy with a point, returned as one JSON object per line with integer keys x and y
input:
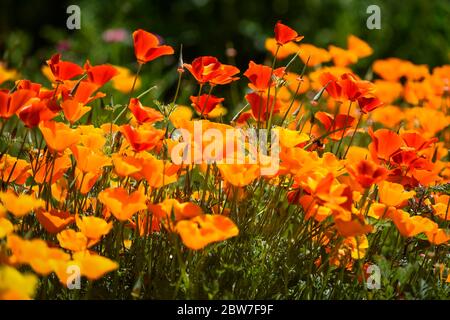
{"x": 284, "y": 34}
{"x": 171, "y": 211}
{"x": 358, "y": 46}
{"x": 54, "y": 220}
{"x": 100, "y": 74}
{"x": 225, "y": 75}
{"x": 93, "y": 227}
{"x": 142, "y": 138}
{"x": 147, "y": 46}
{"x": 204, "y": 68}
{"x": 10, "y": 103}
{"x": 393, "y": 194}
{"x": 205, "y": 103}
{"x": 385, "y": 144}
{"x": 72, "y": 240}
{"x": 336, "y": 127}
{"x": 202, "y": 230}
{"x": 58, "y": 135}
{"x": 20, "y": 205}
{"x": 239, "y": 175}
{"x": 74, "y": 110}
{"x": 260, "y": 76}
{"x": 261, "y": 108}
{"x": 13, "y": 169}
{"x": 63, "y": 70}
{"x": 144, "y": 114}
{"x": 367, "y": 173}
{"x": 89, "y": 160}
{"x": 35, "y": 253}
{"x": 122, "y": 204}
{"x": 125, "y": 165}
{"x": 35, "y": 111}
{"x": 348, "y": 88}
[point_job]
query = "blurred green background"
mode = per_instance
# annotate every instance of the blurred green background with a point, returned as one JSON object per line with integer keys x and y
{"x": 31, "y": 31}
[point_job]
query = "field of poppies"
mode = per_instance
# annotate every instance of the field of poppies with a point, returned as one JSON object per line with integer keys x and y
{"x": 108, "y": 200}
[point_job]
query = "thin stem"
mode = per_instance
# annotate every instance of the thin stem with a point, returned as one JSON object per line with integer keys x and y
{"x": 345, "y": 125}
{"x": 353, "y": 135}
{"x": 131, "y": 94}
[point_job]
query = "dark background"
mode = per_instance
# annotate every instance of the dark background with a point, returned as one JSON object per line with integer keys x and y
{"x": 30, "y": 31}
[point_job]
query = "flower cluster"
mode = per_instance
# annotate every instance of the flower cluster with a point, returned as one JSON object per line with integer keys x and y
{"x": 84, "y": 184}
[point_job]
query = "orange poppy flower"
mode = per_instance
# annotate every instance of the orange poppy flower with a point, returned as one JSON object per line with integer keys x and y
{"x": 85, "y": 181}
{"x": 342, "y": 57}
{"x": 63, "y": 70}
{"x": 10, "y": 103}
{"x": 261, "y": 108}
{"x": 204, "y": 68}
{"x": 202, "y": 230}
{"x": 6, "y": 227}
{"x": 283, "y": 51}
{"x": 142, "y": 139}
{"x": 13, "y": 169}
{"x": 335, "y": 126}
{"x": 313, "y": 55}
{"x": 284, "y": 34}
{"x": 438, "y": 236}
{"x": 121, "y": 204}
{"x": 74, "y": 110}
{"x": 35, "y": 253}
{"x": 83, "y": 94}
{"x": 180, "y": 115}
{"x": 225, "y": 75}
{"x": 393, "y": 194}
{"x": 147, "y": 46}
{"x": 171, "y": 210}
{"x": 411, "y": 226}
{"x": 239, "y": 175}
{"x": 58, "y": 135}
{"x": 441, "y": 208}
{"x": 391, "y": 69}
{"x": 20, "y": 205}
{"x": 367, "y": 173}
{"x": 291, "y": 138}
{"x": 205, "y": 103}
{"x": 352, "y": 228}
{"x": 359, "y": 47}
{"x": 54, "y": 221}
{"x": 144, "y": 114}
{"x": 155, "y": 171}
{"x": 100, "y": 74}
{"x": 46, "y": 169}
{"x": 15, "y": 285}
{"x": 348, "y": 88}
{"x": 71, "y": 240}
{"x": 89, "y": 160}
{"x": 125, "y": 165}
{"x": 93, "y": 227}
{"x": 259, "y": 76}
{"x": 385, "y": 144}
{"x": 93, "y": 266}
{"x": 390, "y": 116}
{"x": 35, "y": 111}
